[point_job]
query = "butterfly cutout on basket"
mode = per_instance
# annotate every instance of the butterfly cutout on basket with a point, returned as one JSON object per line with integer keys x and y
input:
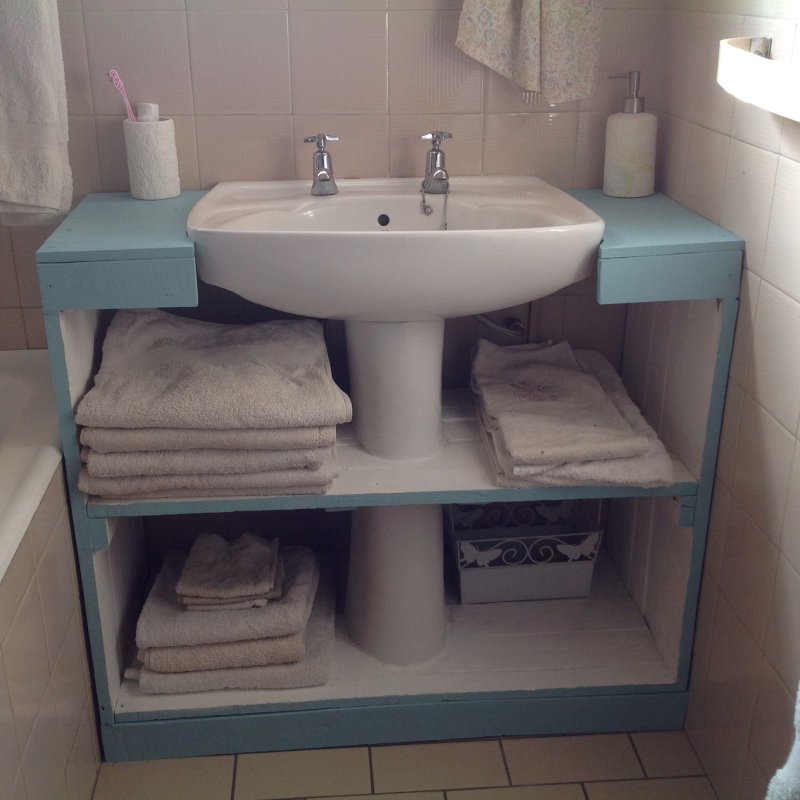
{"x": 587, "y": 548}
{"x": 470, "y": 554}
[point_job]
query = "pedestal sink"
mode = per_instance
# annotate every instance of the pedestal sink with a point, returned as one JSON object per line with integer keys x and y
{"x": 371, "y": 256}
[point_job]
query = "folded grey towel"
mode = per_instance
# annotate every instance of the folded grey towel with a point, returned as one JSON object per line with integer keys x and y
{"x": 650, "y": 469}
{"x": 312, "y": 670}
{"x": 210, "y": 494}
{"x": 163, "y": 622}
{"x": 163, "y": 371}
{"x": 228, "y": 569}
{"x": 247, "y": 483}
{"x": 254, "y": 601}
{"x": 131, "y": 440}
{"x": 545, "y": 410}
{"x": 201, "y": 462}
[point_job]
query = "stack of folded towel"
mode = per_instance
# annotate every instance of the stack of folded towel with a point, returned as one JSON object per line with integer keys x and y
{"x": 182, "y": 407}
{"x": 264, "y": 620}
{"x": 551, "y": 416}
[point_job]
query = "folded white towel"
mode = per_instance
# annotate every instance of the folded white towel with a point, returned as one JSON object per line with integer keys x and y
{"x": 312, "y": 670}
{"x": 651, "y": 469}
{"x": 162, "y": 370}
{"x": 201, "y": 462}
{"x": 191, "y": 603}
{"x": 35, "y": 176}
{"x": 785, "y": 783}
{"x": 247, "y": 483}
{"x": 133, "y": 440}
{"x": 544, "y": 411}
{"x": 163, "y": 622}
{"x": 222, "y": 569}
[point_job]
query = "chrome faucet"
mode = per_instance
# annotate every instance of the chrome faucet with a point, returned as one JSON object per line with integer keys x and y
{"x": 436, "y": 180}
{"x": 324, "y": 184}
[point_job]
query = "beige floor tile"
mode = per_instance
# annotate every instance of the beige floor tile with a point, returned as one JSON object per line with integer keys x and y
{"x": 302, "y": 773}
{"x": 564, "y": 791}
{"x": 444, "y": 765}
{"x": 392, "y": 796}
{"x": 169, "y": 779}
{"x": 659, "y": 789}
{"x": 564, "y": 759}
{"x": 666, "y": 754}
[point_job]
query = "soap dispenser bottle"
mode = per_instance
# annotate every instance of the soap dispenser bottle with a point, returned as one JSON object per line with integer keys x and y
{"x": 630, "y": 161}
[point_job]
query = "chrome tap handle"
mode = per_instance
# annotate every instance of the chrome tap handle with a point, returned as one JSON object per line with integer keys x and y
{"x": 320, "y": 139}
{"x": 436, "y": 138}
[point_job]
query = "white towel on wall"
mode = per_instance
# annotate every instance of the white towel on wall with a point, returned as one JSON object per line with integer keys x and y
{"x": 35, "y": 176}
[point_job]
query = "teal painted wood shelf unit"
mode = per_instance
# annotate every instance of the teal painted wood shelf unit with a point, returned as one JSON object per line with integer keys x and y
{"x": 617, "y": 660}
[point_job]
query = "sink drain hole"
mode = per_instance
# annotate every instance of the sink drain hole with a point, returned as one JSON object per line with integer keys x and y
{"x": 383, "y": 220}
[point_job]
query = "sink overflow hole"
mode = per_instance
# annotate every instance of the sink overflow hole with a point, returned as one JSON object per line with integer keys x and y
{"x": 383, "y": 220}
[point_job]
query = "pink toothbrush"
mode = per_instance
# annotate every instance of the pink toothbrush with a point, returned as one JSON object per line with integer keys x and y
{"x": 117, "y": 81}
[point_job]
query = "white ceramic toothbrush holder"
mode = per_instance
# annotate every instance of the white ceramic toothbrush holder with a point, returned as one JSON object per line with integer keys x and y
{"x": 152, "y": 159}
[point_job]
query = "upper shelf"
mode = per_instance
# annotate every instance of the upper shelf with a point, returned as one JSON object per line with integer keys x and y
{"x": 763, "y": 82}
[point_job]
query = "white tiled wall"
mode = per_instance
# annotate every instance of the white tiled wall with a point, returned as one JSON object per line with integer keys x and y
{"x": 739, "y": 166}
{"x": 48, "y": 739}
{"x": 246, "y": 80}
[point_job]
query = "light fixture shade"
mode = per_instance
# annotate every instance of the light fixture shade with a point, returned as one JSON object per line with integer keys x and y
{"x": 751, "y": 78}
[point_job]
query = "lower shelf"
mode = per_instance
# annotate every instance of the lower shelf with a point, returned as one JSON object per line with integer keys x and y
{"x": 521, "y": 647}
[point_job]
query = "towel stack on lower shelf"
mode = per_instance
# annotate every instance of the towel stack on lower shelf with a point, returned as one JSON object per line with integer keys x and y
{"x": 265, "y": 619}
{"x": 182, "y": 407}
{"x": 551, "y": 416}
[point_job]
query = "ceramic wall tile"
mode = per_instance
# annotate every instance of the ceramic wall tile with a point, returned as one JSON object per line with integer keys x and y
{"x": 10, "y": 760}
{"x": 338, "y": 62}
{"x": 590, "y": 150}
{"x": 717, "y": 530}
{"x": 729, "y": 438}
{"x": 127, "y": 5}
{"x": 704, "y": 628}
{"x": 70, "y": 692}
{"x": 790, "y": 533}
{"x": 361, "y": 152}
{"x": 773, "y": 377}
{"x": 84, "y": 760}
{"x": 790, "y": 140}
{"x": 783, "y": 632}
{"x": 12, "y": 329}
{"x": 773, "y": 721}
{"x": 25, "y": 242}
{"x": 782, "y": 255}
{"x": 763, "y": 461}
{"x": 747, "y": 198}
{"x": 26, "y": 662}
{"x": 239, "y": 61}
{"x": 505, "y": 97}
{"x": 150, "y": 51}
{"x": 463, "y": 153}
{"x": 672, "y": 153}
{"x": 244, "y": 148}
{"x": 84, "y": 158}
{"x": 706, "y": 165}
{"x": 9, "y": 292}
{"x": 532, "y": 144}
{"x": 748, "y": 571}
{"x": 427, "y": 73}
{"x": 745, "y": 322}
{"x": 76, "y": 64}
{"x": 43, "y": 762}
{"x": 230, "y": 5}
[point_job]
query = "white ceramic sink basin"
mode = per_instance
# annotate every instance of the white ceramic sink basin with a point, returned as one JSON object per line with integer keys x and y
{"x": 369, "y": 253}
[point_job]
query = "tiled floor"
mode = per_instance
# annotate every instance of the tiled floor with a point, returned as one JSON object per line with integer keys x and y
{"x": 643, "y": 766}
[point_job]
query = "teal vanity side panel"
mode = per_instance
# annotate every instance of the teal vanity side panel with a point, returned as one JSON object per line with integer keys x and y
{"x": 120, "y": 283}
{"x": 105, "y": 227}
{"x": 687, "y": 276}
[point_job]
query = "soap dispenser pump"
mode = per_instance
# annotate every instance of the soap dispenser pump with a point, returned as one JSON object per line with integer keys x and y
{"x": 630, "y": 160}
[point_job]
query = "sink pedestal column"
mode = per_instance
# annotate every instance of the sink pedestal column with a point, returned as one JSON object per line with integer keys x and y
{"x": 395, "y": 607}
{"x": 396, "y": 386}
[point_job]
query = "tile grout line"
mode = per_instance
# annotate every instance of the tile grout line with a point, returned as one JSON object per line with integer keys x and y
{"x": 371, "y": 771}
{"x": 505, "y": 761}
{"x": 638, "y": 757}
{"x": 233, "y": 775}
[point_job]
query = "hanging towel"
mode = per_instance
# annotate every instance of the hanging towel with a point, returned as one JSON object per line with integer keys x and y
{"x": 163, "y": 622}
{"x": 545, "y": 411}
{"x": 222, "y": 569}
{"x": 35, "y": 176}
{"x": 132, "y": 440}
{"x": 162, "y": 370}
{"x": 199, "y": 462}
{"x": 546, "y": 46}
{"x": 312, "y": 670}
{"x": 785, "y": 783}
